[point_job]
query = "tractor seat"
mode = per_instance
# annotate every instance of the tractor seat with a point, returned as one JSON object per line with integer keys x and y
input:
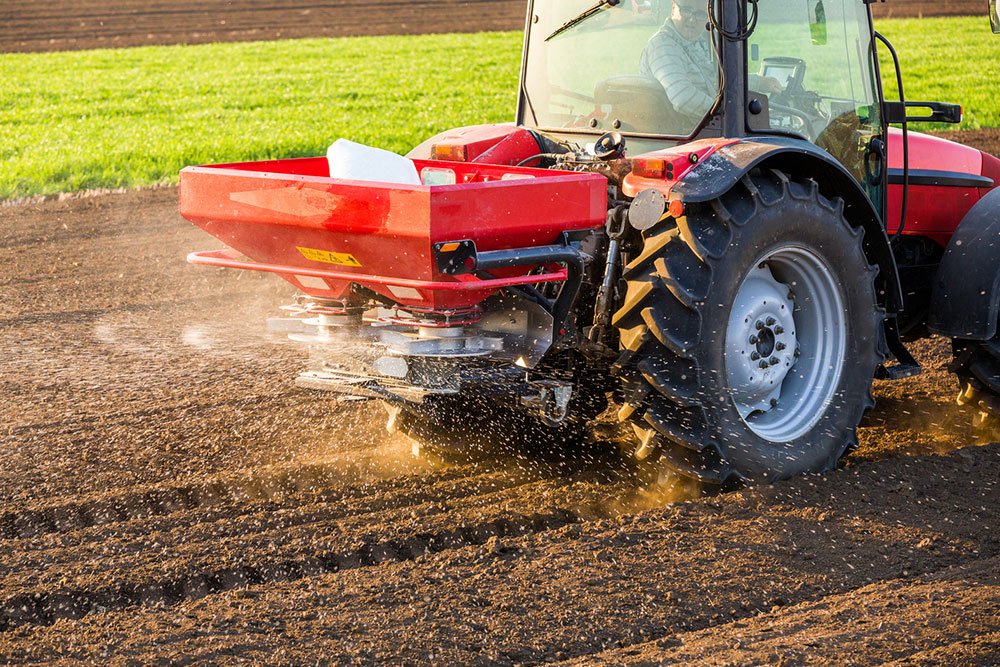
{"x": 639, "y": 102}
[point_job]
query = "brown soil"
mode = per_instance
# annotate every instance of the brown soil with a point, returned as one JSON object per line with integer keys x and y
{"x": 166, "y": 496}
{"x": 985, "y": 140}
{"x": 57, "y": 25}
{"x": 922, "y": 8}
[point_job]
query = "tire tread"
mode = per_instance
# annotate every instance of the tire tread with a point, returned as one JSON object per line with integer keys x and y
{"x": 662, "y": 318}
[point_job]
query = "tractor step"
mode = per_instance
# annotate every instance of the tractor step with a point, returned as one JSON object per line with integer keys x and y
{"x": 906, "y": 365}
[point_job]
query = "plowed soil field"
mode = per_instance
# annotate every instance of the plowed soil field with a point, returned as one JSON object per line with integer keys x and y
{"x": 58, "y": 25}
{"x": 167, "y": 496}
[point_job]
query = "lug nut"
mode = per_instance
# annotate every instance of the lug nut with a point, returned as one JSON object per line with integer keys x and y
{"x": 754, "y": 356}
{"x": 779, "y": 346}
{"x": 771, "y": 321}
{"x": 774, "y": 402}
{"x": 759, "y": 325}
{"x": 753, "y": 340}
{"x": 778, "y": 330}
{"x": 797, "y": 352}
{"x": 774, "y": 361}
{"x": 763, "y": 363}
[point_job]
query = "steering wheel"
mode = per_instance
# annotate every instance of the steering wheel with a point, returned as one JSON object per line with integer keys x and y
{"x": 807, "y": 121}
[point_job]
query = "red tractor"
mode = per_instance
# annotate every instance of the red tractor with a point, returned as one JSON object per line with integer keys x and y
{"x": 700, "y": 216}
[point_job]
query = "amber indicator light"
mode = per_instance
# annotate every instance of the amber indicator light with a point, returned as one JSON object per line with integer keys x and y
{"x": 649, "y": 167}
{"x": 449, "y": 152}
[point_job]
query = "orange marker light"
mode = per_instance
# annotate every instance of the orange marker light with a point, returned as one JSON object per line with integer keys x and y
{"x": 676, "y": 208}
{"x": 449, "y": 152}
{"x": 649, "y": 167}
{"x": 449, "y": 247}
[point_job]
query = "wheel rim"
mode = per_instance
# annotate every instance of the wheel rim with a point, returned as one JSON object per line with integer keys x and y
{"x": 785, "y": 343}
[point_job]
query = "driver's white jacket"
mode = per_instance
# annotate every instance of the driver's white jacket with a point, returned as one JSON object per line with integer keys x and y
{"x": 688, "y": 71}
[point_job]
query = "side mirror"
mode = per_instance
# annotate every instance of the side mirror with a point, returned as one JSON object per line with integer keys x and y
{"x": 817, "y": 22}
{"x": 994, "y": 19}
{"x": 940, "y": 112}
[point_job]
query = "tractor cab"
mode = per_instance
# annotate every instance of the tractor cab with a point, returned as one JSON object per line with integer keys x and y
{"x": 664, "y": 72}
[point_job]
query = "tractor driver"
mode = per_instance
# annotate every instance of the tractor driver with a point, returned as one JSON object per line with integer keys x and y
{"x": 681, "y": 58}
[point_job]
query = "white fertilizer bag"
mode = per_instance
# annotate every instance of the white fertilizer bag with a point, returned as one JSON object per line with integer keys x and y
{"x": 357, "y": 162}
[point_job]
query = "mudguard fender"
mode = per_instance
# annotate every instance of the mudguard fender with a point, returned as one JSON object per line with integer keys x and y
{"x": 966, "y": 296}
{"x": 724, "y": 167}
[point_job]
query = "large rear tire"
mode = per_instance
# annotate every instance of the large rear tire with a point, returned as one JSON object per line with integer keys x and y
{"x": 750, "y": 335}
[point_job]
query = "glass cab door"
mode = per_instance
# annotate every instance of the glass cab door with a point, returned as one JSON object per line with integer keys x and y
{"x": 811, "y": 63}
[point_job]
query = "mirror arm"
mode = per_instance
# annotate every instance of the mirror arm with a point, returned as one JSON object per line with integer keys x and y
{"x": 940, "y": 112}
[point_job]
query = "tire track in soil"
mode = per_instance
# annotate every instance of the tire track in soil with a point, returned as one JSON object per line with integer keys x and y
{"x": 139, "y": 545}
{"x": 45, "y": 608}
{"x": 312, "y": 483}
{"x": 339, "y": 479}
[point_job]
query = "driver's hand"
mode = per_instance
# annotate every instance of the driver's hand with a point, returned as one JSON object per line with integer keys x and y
{"x": 769, "y": 85}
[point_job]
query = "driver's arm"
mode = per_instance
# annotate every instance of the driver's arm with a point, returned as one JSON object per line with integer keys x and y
{"x": 764, "y": 84}
{"x": 681, "y": 79}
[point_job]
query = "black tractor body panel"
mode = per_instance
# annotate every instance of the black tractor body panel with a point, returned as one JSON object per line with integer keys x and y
{"x": 966, "y": 296}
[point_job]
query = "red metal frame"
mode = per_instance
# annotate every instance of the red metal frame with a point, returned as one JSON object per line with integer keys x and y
{"x": 229, "y": 259}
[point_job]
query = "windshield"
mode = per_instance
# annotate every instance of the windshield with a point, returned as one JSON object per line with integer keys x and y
{"x": 643, "y": 66}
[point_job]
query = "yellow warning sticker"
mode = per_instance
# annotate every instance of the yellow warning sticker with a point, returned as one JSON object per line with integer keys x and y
{"x": 339, "y": 258}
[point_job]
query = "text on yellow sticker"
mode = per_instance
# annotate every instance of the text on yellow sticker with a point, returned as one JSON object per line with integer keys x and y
{"x": 339, "y": 258}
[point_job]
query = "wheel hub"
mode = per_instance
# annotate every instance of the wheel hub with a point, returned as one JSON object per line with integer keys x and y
{"x": 784, "y": 350}
{"x": 765, "y": 341}
{"x": 761, "y": 341}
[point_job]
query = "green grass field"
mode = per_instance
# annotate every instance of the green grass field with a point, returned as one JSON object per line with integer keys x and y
{"x": 110, "y": 118}
{"x": 947, "y": 60}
